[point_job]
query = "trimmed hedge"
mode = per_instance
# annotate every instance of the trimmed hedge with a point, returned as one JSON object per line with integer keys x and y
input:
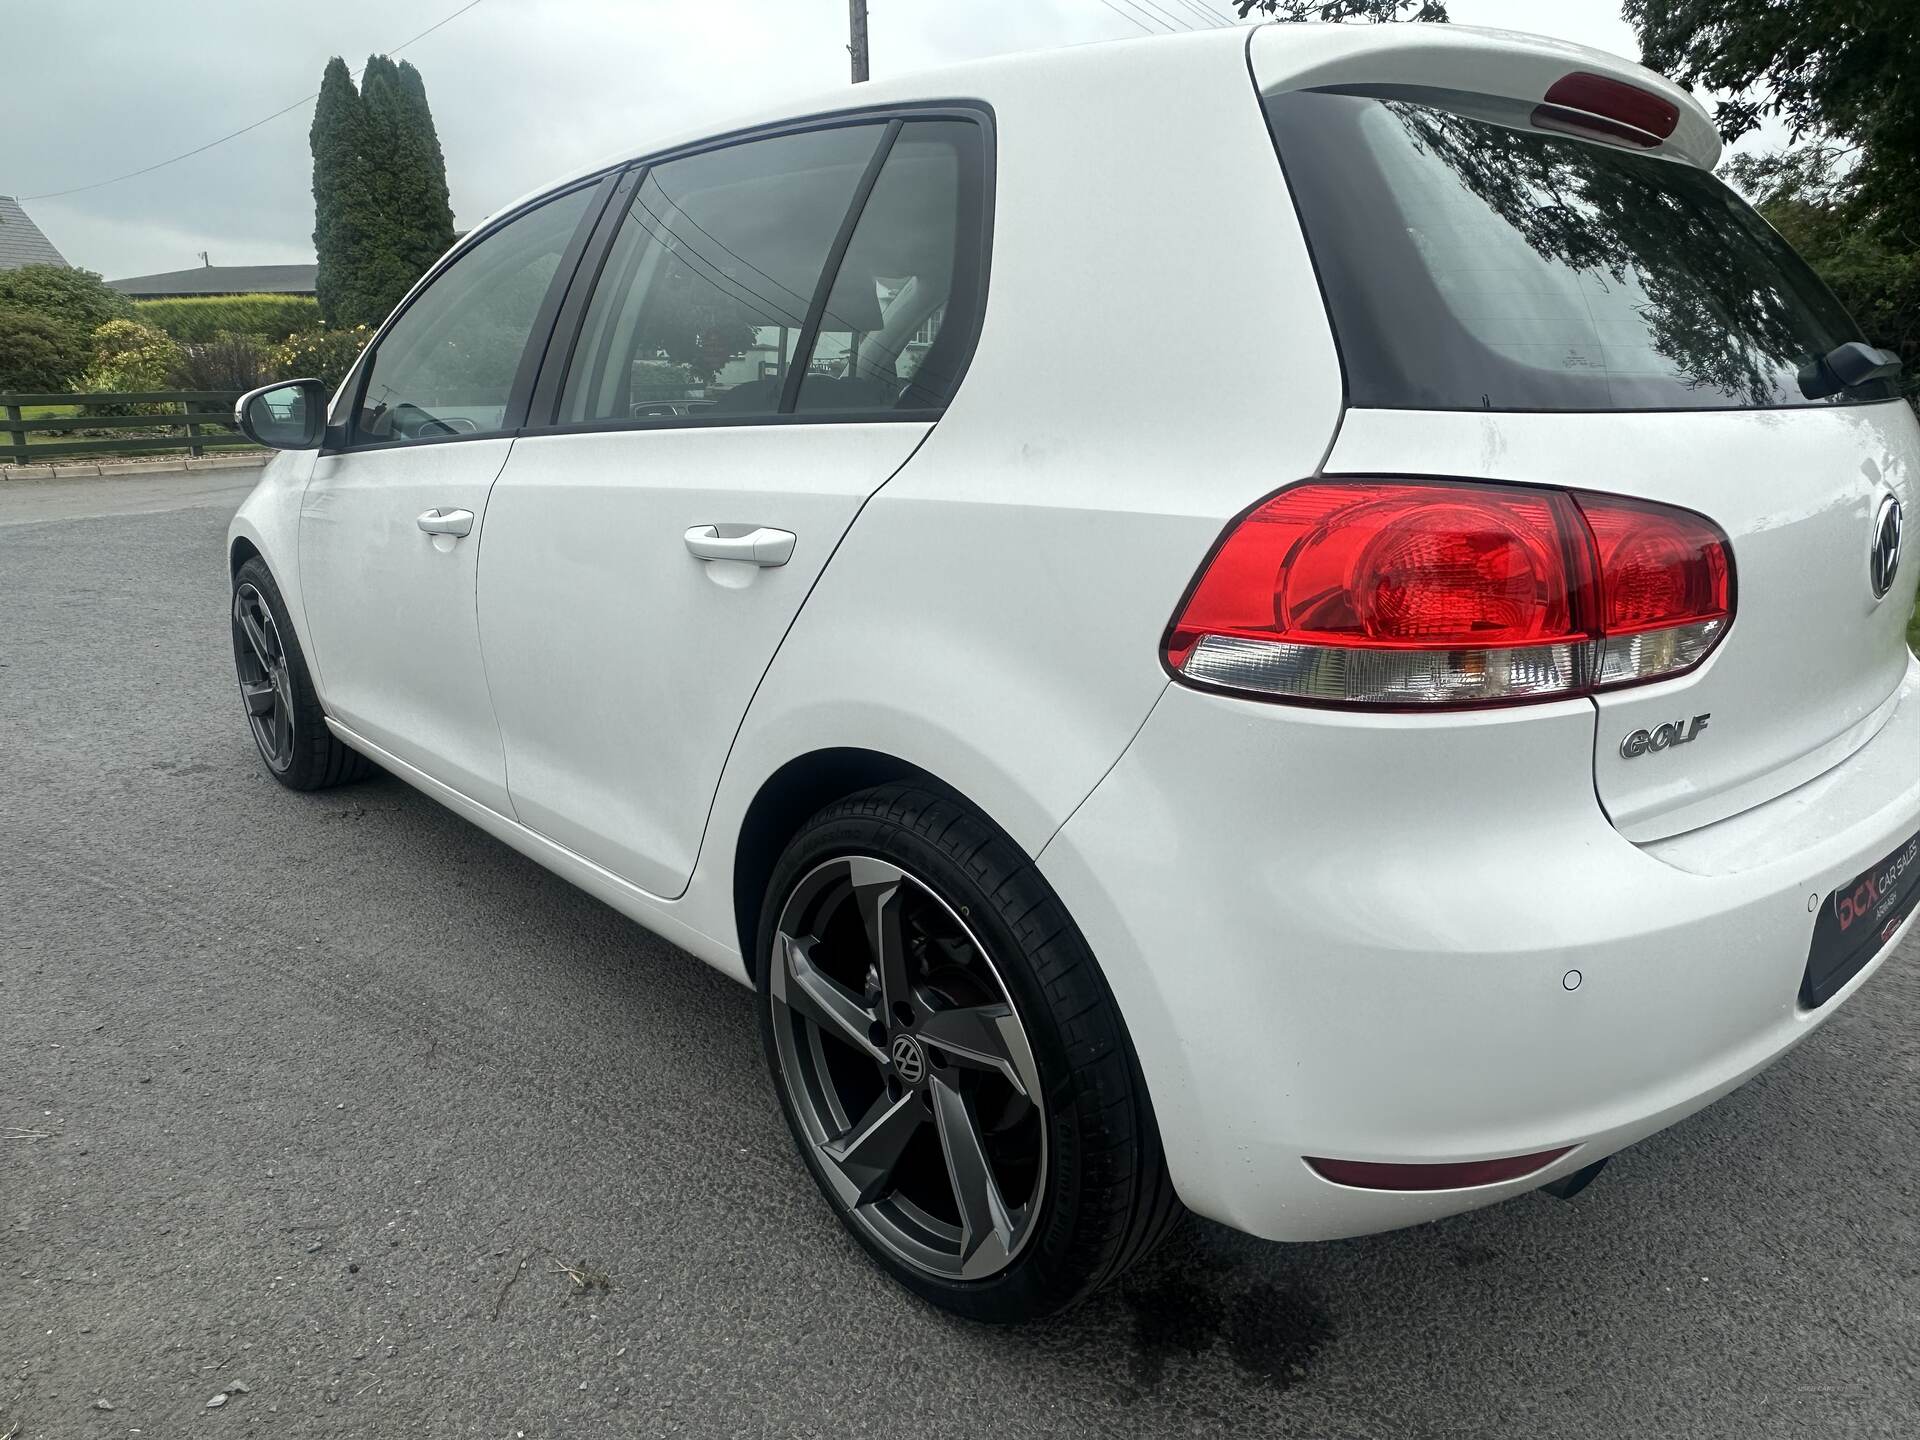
{"x": 201, "y": 317}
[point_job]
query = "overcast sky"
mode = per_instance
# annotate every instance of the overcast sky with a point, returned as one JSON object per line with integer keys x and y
{"x": 522, "y": 90}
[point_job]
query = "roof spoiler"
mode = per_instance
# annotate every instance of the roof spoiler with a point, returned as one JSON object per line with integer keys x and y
{"x": 1575, "y": 89}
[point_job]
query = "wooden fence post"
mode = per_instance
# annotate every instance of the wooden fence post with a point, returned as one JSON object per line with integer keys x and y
{"x": 193, "y": 451}
{"x": 18, "y": 436}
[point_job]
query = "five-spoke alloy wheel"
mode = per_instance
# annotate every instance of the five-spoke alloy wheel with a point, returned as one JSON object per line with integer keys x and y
{"x": 283, "y": 711}
{"x": 266, "y": 687}
{"x": 950, "y": 1060}
{"x": 908, "y": 1068}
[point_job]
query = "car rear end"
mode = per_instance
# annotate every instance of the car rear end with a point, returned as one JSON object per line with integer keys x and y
{"x": 1549, "y": 761}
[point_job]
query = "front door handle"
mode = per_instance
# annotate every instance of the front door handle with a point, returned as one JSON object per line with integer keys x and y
{"x": 446, "y": 522}
{"x": 763, "y": 546}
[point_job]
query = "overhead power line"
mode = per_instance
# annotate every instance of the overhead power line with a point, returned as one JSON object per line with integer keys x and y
{"x": 1131, "y": 18}
{"x": 1173, "y": 21}
{"x": 244, "y": 129}
{"x": 1206, "y": 12}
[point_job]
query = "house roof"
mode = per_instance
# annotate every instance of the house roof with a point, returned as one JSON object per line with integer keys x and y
{"x": 21, "y": 242}
{"x": 221, "y": 280}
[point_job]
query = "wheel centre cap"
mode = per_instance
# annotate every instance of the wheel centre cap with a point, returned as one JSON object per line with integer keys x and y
{"x": 909, "y": 1061}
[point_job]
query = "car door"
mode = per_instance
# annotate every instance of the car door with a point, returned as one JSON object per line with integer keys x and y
{"x": 775, "y": 326}
{"x": 392, "y": 518}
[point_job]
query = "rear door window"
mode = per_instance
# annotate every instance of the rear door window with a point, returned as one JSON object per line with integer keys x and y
{"x": 703, "y": 300}
{"x": 1472, "y": 262}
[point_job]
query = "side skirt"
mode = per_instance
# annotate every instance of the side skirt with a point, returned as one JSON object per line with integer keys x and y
{"x": 630, "y": 900}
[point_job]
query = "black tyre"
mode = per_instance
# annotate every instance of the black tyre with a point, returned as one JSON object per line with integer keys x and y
{"x": 281, "y": 708}
{"x": 950, "y": 1061}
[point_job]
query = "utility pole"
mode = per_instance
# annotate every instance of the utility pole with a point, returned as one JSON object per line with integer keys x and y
{"x": 857, "y": 38}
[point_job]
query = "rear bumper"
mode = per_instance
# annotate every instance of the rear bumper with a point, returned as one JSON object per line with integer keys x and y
{"x": 1357, "y": 937}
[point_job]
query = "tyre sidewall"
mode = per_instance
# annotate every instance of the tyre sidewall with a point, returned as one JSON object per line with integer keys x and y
{"x": 307, "y": 771}
{"x": 1060, "y": 1262}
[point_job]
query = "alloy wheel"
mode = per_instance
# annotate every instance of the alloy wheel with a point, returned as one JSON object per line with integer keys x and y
{"x": 907, "y": 1068}
{"x": 266, "y": 681}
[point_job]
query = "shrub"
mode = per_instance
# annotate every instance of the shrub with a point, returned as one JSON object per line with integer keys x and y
{"x": 38, "y": 352}
{"x": 322, "y": 352}
{"x": 129, "y": 356}
{"x": 228, "y": 362}
{"x": 78, "y": 299}
{"x": 206, "y": 317}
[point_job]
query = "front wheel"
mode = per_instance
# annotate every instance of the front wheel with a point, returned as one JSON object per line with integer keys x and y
{"x": 283, "y": 711}
{"x": 951, "y": 1063}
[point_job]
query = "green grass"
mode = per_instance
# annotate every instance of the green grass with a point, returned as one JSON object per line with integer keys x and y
{"x": 1913, "y": 630}
{"x": 46, "y": 412}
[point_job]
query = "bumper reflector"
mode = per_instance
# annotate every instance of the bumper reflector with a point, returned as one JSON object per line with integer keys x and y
{"x": 1373, "y": 1175}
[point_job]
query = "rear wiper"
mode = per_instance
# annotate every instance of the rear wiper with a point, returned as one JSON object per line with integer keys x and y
{"x": 1844, "y": 367}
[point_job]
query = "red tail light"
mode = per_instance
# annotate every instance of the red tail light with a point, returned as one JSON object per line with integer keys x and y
{"x": 1433, "y": 592}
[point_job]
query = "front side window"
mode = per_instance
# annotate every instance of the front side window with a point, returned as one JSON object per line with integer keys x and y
{"x": 703, "y": 299}
{"x": 447, "y": 364}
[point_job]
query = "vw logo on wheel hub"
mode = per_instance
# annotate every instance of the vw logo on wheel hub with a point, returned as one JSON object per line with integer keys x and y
{"x": 908, "y": 1061}
{"x": 1883, "y": 561}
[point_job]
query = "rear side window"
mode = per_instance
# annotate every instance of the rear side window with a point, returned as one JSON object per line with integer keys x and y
{"x": 1473, "y": 264}
{"x": 898, "y": 324}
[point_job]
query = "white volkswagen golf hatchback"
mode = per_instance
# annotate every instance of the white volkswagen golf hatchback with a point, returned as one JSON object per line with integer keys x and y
{"x": 1305, "y": 623}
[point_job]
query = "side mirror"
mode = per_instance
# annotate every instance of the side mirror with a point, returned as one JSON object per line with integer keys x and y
{"x": 291, "y": 415}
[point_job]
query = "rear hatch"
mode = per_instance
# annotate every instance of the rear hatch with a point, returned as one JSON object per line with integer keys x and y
{"x": 1529, "y": 295}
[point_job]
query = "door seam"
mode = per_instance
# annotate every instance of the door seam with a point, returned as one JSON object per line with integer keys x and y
{"x": 479, "y": 637}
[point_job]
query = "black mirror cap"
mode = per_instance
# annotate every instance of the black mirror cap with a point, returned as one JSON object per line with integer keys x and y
{"x": 286, "y": 415}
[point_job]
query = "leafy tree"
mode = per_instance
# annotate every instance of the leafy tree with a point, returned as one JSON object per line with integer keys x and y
{"x": 77, "y": 299}
{"x": 381, "y": 213}
{"x": 342, "y": 181}
{"x": 418, "y": 143}
{"x": 1839, "y": 70}
{"x": 1336, "y": 10}
{"x": 38, "y": 353}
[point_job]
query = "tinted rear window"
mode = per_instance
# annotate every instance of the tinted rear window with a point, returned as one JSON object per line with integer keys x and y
{"x": 1470, "y": 264}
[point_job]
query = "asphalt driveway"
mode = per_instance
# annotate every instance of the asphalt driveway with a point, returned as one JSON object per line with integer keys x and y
{"x": 305, "y": 1102}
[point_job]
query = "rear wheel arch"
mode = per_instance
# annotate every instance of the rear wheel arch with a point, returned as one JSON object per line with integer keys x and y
{"x": 794, "y": 794}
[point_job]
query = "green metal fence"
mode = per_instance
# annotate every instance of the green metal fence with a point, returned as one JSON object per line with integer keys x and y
{"x": 187, "y": 429}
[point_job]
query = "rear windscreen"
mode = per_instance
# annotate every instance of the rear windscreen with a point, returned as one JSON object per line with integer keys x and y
{"x": 1469, "y": 264}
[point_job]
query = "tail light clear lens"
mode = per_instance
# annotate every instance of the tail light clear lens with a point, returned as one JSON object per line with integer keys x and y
{"x": 1428, "y": 592}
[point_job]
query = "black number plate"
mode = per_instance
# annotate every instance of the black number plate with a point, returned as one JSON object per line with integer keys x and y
{"x": 1858, "y": 920}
